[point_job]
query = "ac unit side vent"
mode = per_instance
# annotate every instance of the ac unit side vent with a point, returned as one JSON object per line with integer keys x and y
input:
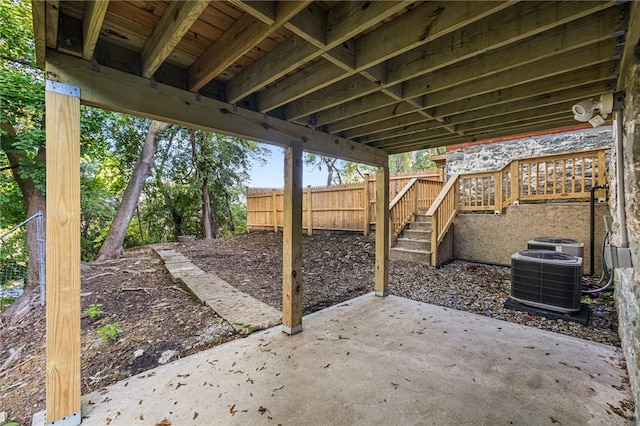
{"x": 547, "y": 279}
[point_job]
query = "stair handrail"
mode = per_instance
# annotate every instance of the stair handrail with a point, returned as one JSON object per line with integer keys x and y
{"x": 442, "y": 212}
{"x": 399, "y": 212}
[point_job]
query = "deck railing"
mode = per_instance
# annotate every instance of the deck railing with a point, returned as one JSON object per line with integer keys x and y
{"x": 551, "y": 177}
{"x": 415, "y": 198}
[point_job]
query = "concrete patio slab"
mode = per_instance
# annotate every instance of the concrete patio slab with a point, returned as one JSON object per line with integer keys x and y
{"x": 380, "y": 361}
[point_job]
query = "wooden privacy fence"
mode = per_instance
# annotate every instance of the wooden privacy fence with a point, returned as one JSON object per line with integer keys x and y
{"x": 348, "y": 207}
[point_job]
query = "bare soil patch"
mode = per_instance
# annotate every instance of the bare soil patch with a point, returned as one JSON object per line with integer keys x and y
{"x": 160, "y": 321}
{"x": 157, "y": 322}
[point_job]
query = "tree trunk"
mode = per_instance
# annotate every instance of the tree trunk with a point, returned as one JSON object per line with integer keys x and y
{"x": 206, "y": 211}
{"x": 112, "y": 245}
{"x": 34, "y": 200}
{"x": 201, "y": 171}
{"x": 232, "y": 224}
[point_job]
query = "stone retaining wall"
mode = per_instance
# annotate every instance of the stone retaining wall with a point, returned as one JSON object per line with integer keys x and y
{"x": 481, "y": 158}
{"x": 628, "y": 279}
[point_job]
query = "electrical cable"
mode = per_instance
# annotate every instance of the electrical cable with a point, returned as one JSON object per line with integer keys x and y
{"x": 605, "y": 272}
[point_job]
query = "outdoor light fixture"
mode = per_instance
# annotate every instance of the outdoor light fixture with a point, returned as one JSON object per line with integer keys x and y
{"x": 586, "y": 110}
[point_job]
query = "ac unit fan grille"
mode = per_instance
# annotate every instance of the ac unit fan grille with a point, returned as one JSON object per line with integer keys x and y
{"x": 546, "y": 279}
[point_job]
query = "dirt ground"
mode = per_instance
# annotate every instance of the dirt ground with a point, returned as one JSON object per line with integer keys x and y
{"x": 158, "y": 321}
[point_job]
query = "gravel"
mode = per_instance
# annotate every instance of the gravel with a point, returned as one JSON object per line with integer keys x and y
{"x": 339, "y": 267}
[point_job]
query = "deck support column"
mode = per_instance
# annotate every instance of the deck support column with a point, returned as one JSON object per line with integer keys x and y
{"x": 63, "y": 254}
{"x": 292, "y": 242}
{"x": 382, "y": 231}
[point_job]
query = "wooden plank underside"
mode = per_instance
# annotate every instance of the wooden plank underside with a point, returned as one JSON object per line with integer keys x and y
{"x": 122, "y": 92}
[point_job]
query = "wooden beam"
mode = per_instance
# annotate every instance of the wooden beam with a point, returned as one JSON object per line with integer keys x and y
{"x": 63, "y": 252}
{"x": 292, "y": 241}
{"x": 276, "y": 64}
{"x": 389, "y": 124}
{"x": 631, "y": 41}
{"x": 568, "y": 80}
{"x": 303, "y": 82}
{"x": 243, "y": 34}
{"x": 571, "y": 60}
{"x": 92, "y": 19}
{"x": 241, "y": 37}
{"x": 382, "y": 231}
{"x": 283, "y": 59}
{"x": 355, "y": 107}
{"x": 119, "y": 91}
{"x": 554, "y": 98}
{"x": 263, "y": 10}
{"x": 52, "y": 9}
{"x": 491, "y": 33}
{"x": 514, "y": 131}
{"x": 420, "y": 26}
{"x": 417, "y": 27}
{"x": 176, "y": 20}
{"x": 396, "y": 109}
{"x": 479, "y": 37}
{"x": 556, "y": 42}
{"x": 38, "y": 10}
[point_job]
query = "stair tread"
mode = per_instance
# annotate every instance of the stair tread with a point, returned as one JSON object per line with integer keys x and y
{"x": 411, "y": 250}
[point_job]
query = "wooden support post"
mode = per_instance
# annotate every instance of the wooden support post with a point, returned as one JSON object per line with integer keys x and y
{"x": 274, "y": 200}
{"x": 63, "y": 253}
{"x": 365, "y": 202}
{"x": 309, "y": 211}
{"x": 292, "y": 242}
{"x": 382, "y": 231}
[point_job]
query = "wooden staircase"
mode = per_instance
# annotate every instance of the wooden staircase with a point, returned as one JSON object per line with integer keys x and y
{"x": 414, "y": 243}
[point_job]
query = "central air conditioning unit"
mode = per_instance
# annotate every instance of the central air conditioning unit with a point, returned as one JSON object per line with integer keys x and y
{"x": 562, "y": 245}
{"x": 547, "y": 279}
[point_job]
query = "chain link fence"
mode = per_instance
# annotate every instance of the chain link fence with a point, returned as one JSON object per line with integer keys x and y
{"x": 14, "y": 260}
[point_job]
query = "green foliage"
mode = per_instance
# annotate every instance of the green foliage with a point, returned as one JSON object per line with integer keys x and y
{"x": 22, "y": 94}
{"x": 94, "y": 310}
{"x": 109, "y": 331}
{"x": 348, "y": 172}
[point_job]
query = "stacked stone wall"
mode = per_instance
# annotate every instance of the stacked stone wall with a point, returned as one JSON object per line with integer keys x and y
{"x": 627, "y": 280}
{"x": 487, "y": 157}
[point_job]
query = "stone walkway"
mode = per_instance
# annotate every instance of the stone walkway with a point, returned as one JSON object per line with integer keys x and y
{"x": 245, "y": 313}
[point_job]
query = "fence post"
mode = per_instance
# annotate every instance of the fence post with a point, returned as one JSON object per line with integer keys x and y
{"x": 309, "y": 211}
{"x": 416, "y": 196}
{"x": 515, "y": 181}
{"x": 365, "y": 196}
{"x": 498, "y": 191}
{"x": 274, "y": 199}
{"x": 602, "y": 171}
